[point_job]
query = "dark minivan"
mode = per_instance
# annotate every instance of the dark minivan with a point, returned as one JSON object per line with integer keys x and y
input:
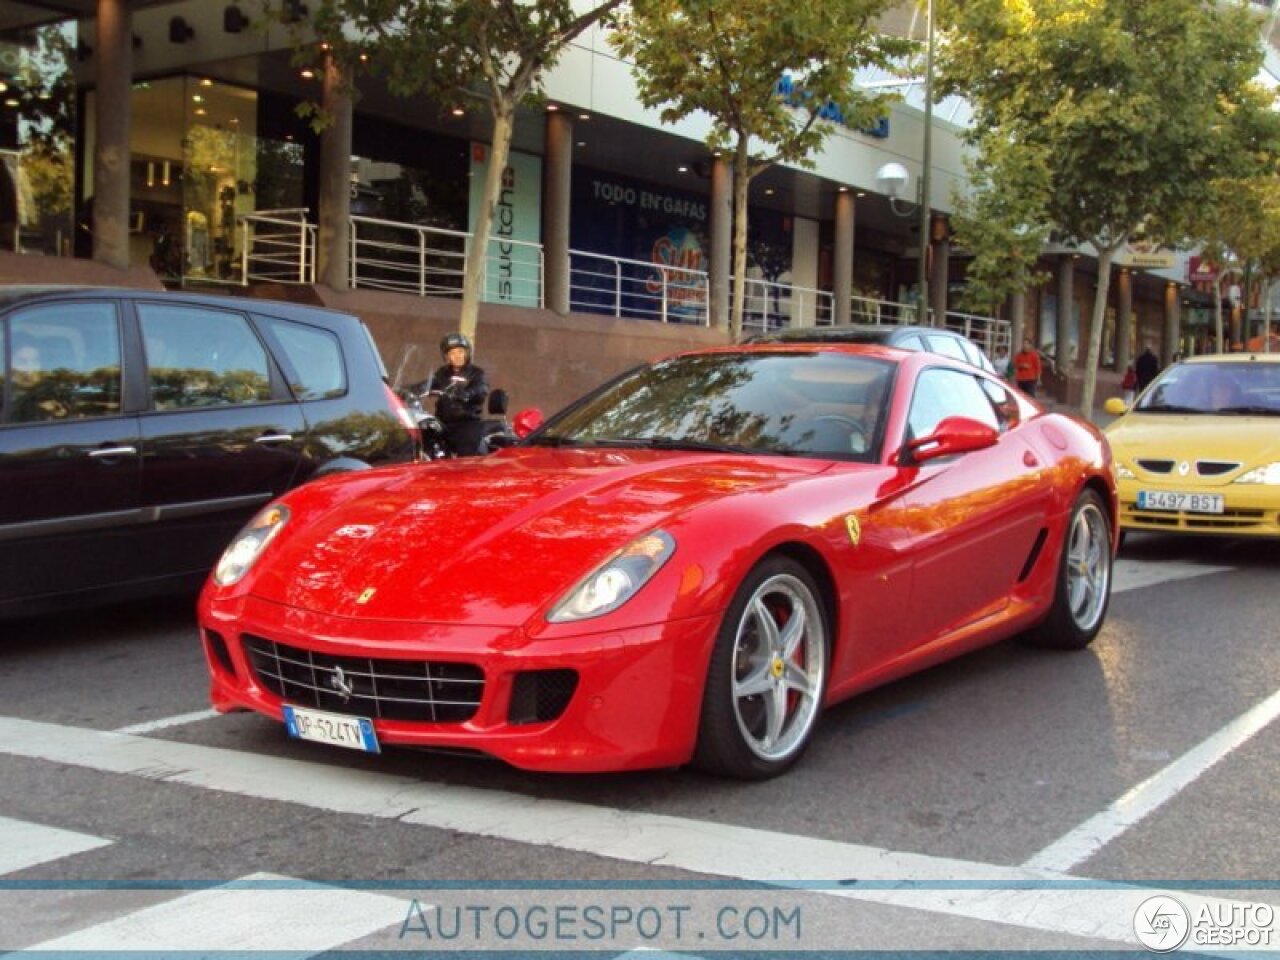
{"x": 139, "y": 430}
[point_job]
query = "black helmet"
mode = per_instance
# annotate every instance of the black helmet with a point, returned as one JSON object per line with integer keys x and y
{"x": 451, "y": 340}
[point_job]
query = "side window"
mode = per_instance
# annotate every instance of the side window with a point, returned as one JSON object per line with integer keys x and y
{"x": 911, "y": 342}
{"x": 64, "y": 362}
{"x": 948, "y": 347}
{"x": 201, "y": 358}
{"x": 1006, "y": 406}
{"x": 313, "y": 358}
{"x": 942, "y": 393}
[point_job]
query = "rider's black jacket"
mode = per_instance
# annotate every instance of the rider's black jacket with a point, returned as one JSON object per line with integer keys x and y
{"x": 461, "y": 392}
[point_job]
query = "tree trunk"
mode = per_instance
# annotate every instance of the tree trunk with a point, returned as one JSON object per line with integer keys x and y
{"x": 1217, "y": 309}
{"x": 1094, "y": 355}
{"x": 473, "y": 278}
{"x": 741, "y": 180}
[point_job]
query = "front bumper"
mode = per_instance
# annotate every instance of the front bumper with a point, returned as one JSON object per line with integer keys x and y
{"x": 635, "y": 703}
{"x": 1249, "y": 510}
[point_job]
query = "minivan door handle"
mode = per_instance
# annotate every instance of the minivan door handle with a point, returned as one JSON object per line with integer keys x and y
{"x": 274, "y": 438}
{"x": 105, "y": 452}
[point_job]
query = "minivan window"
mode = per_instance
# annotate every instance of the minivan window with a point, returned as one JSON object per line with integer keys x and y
{"x": 200, "y": 358}
{"x": 314, "y": 359}
{"x": 64, "y": 362}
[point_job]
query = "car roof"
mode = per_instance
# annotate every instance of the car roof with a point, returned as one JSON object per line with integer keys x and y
{"x": 1212, "y": 358}
{"x": 844, "y": 333}
{"x": 11, "y": 294}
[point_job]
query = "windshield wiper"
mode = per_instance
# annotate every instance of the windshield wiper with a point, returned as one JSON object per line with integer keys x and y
{"x": 672, "y": 443}
{"x": 556, "y": 440}
{"x": 1168, "y": 408}
{"x": 1254, "y": 409}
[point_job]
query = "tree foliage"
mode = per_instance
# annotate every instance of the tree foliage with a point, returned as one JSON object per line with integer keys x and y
{"x": 732, "y": 60}
{"x": 1128, "y": 103}
{"x": 493, "y": 53}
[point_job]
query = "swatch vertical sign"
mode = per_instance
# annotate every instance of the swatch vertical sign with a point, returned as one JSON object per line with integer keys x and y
{"x": 513, "y": 273}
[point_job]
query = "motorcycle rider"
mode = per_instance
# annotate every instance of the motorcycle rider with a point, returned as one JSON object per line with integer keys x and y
{"x": 460, "y": 388}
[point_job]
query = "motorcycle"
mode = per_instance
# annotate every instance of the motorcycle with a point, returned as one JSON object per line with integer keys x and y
{"x": 439, "y": 442}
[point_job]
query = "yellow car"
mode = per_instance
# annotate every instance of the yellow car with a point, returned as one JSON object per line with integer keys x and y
{"x": 1200, "y": 450}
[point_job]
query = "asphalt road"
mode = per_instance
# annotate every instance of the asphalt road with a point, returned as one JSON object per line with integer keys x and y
{"x": 1013, "y": 799}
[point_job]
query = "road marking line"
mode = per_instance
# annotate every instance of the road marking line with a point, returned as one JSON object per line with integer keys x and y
{"x": 1084, "y": 841}
{"x": 24, "y": 844}
{"x": 1129, "y": 574}
{"x": 151, "y": 726}
{"x": 314, "y": 918}
{"x": 1019, "y": 896}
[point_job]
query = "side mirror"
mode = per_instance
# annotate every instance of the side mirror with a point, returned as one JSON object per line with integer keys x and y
{"x": 526, "y": 421}
{"x": 953, "y": 435}
{"x": 1115, "y": 406}
{"x": 498, "y": 402}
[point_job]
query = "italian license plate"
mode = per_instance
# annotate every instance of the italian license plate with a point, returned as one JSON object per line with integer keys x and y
{"x": 335, "y": 729}
{"x": 1180, "y": 502}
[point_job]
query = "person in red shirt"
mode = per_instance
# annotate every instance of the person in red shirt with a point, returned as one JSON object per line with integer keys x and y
{"x": 1026, "y": 368}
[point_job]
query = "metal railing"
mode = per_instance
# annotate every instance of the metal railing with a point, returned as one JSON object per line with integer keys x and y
{"x": 431, "y": 261}
{"x": 277, "y": 246}
{"x": 619, "y": 287}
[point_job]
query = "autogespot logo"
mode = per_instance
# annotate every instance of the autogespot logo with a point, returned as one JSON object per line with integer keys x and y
{"x": 1161, "y": 924}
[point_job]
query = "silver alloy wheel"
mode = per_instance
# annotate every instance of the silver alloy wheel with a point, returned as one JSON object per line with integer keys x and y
{"x": 1088, "y": 566}
{"x": 779, "y": 667}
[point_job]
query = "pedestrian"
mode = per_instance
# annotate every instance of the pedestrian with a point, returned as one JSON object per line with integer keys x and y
{"x": 1146, "y": 367}
{"x": 1027, "y": 368}
{"x": 460, "y": 388}
{"x": 1129, "y": 385}
{"x": 1001, "y": 361}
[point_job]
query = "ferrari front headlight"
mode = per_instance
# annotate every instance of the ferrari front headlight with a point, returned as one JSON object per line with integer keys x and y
{"x": 1270, "y": 475}
{"x": 616, "y": 580}
{"x": 244, "y": 551}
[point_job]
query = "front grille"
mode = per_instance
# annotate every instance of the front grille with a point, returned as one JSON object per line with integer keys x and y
{"x": 1226, "y": 522}
{"x": 1215, "y": 468}
{"x": 422, "y": 691}
{"x": 1156, "y": 466}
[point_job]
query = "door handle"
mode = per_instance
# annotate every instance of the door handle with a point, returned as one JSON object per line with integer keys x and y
{"x": 274, "y": 438}
{"x": 103, "y": 452}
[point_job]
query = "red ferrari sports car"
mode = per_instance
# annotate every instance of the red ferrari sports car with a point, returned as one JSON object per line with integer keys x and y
{"x": 686, "y": 565}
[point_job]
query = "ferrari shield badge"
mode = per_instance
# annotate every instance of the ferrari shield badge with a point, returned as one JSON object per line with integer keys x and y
{"x": 854, "y": 527}
{"x": 367, "y": 595}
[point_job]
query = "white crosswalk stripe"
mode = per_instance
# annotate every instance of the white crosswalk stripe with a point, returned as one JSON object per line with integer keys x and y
{"x": 1129, "y": 574}
{"x": 24, "y": 844}
{"x": 303, "y": 919}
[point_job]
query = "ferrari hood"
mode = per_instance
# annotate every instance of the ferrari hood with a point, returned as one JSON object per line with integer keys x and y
{"x": 1247, "y": 440}
{"x": 489, "y": 541}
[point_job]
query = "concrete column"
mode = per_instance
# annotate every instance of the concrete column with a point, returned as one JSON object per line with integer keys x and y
{"x": 842, "y": 268}
{"x": 111, "y": 135}
{"x": 941, "y": 237}
{"x": 1066, "y": 297}
{"x": 720, "y": 217}
{"x": 334, "y": 236}
{"x": 1172, "y": 323}
{"x": 555, "y": 209}
{"x": 1124, "y": 319}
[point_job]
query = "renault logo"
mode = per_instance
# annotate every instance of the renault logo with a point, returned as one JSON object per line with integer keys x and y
{"x": 1184, "y": 468}
{"x": 340, "y": 683}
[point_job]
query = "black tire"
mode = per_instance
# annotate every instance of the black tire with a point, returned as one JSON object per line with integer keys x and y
{"x": 1083, "y": 584}
{"x": 754, "y": 735}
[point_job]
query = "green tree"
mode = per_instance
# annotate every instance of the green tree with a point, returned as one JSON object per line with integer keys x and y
{"x": 1126, "y": 102}
{"x": 728, "y": 59}
{"x": 1001, "y": 222}
{"x": 493, "y": 53}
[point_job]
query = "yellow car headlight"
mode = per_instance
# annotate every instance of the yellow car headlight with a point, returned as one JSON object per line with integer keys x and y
{"x": 1123, "y": 472}
{"x": 1270, "y": 475}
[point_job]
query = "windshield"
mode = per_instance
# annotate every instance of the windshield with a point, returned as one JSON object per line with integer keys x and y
{"x": 1216, "y": 388}
{"x": 814, "y": 404}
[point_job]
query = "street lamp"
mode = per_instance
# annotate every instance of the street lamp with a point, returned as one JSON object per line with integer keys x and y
{"x": 892, "y": 178}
